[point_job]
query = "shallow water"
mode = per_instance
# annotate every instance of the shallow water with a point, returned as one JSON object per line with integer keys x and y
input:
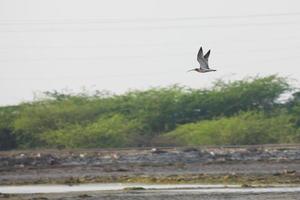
{"x": 31, "y": 189}
{"x": 98, "y": 187}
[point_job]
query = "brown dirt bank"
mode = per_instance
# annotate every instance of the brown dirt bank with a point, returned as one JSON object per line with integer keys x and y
{"x": 266, "y": 164}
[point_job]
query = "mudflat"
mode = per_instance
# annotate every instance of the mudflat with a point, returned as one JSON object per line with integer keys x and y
{"x": 154, "y": 195}
{"x": 244, "y": 165}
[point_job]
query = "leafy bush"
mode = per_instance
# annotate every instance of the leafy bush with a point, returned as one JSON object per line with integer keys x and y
{"x": 46, "y": 115}
{"x": 226, "y": 99}
{"x": 113, "y": 131}
{"x": 7, "y": 138}
{"x": 244, "y": 128}
{"x": 293, "y": 106}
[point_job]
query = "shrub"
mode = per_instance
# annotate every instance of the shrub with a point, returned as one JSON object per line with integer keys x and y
{"x": 7, "y": 137}
{"x": 109, "y": 131}
{"x": 244, "y": 128}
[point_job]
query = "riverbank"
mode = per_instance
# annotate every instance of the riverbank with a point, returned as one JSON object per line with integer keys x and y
{"x": 247, "y": 165}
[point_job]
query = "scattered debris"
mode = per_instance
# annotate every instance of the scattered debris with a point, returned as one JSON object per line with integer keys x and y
{"x": 4, "y": 195}
{"x": 71, "y": 167}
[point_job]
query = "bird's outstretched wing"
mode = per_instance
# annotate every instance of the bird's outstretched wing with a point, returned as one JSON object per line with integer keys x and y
{"x": 200, "y": 54}
{"x": 202, "y": 60}
{"x": 206, "y": 56}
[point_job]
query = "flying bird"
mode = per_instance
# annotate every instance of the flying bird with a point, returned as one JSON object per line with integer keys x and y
{"x": 203, "y": 61}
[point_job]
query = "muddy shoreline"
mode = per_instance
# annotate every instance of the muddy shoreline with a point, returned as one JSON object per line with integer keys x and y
{"x": 269, "y": 164}
{"x": 155, "y": 195}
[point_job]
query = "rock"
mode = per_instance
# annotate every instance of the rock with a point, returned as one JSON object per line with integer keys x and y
{"x": 158, "y": 151}
{"x": 133, "y": 188}
{"x": 81, "y": 155}
{"x": 245, "y": 185}
{"x": 115, "y": 156}
{"x": 84, "y": 196}
{"x": 286, "y": 171}
{"x": 276, "y": 174}
{"x": 39, "y": 198}
{"x": 189, "y": 149}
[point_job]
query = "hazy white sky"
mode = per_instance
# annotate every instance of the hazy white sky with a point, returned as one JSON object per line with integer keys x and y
{"x": 118, "y": 45}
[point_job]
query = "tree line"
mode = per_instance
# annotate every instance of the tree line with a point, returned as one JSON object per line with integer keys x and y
{"x": 247, "y": 111}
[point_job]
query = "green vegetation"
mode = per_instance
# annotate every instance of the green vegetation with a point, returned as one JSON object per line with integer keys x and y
{"x": 105, "y": 132}
{"x": 243, "y": 128}
{"x": 7, "y": 137}
{"x": 240, "y": 112}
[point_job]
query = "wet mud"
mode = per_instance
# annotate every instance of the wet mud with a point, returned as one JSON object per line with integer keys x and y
{"x": 154, "y": 195}
{"x": 247, "y": 165}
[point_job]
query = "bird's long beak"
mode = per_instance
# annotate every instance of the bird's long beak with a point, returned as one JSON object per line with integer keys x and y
{"x": 191, "y": 70}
